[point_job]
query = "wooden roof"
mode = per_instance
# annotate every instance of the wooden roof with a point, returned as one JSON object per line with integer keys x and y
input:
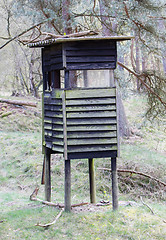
{"x": 66, "y": 39}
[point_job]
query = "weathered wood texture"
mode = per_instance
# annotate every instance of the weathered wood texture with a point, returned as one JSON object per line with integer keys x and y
{"x": 92, "y": 181}
{"x": 81, "y": 123}
{"x": 114, "y": 184}
{"x": 80, "y": 55}
{"x": 47, "y": 175}
{"x": 67, "y": 186}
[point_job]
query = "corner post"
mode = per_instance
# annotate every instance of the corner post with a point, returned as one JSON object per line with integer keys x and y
{"x": 67, "y": 186}
{"x": 114, "y": 184}
{"x": 47, "y": 174}
{"x": 92, "y": 181}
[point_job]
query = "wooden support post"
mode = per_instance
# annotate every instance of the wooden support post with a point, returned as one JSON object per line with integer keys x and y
{"x": 47, "y": 175}
{"x": 114, "y": 184}
{"x": 92, "y": 181}
{"x": 67, "y": 186}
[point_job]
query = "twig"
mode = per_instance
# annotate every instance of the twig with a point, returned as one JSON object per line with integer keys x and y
{"x": 142, "y": 81}
{"x": 51, "y": 223}
{"x": 146, "y": 205}
{"x": 151, "y": 209}
{"x": 22, "y": 33}
{"x": 135, "y": 172}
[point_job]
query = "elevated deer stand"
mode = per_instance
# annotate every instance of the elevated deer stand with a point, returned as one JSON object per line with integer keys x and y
{"x": 80, "y": 123}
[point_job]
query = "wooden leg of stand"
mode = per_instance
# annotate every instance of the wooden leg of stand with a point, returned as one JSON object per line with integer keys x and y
{"x": 48, "y": 175}
{"x": 92, "y": 181}
{"x": 114, "y": 184}
{"x": 67, "y": 186}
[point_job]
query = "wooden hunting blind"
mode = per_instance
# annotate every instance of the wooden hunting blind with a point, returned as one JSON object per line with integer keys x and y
{"x": 80, "y": 123}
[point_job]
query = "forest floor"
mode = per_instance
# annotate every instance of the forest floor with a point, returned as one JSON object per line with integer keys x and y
{"x": 142, "y": 201}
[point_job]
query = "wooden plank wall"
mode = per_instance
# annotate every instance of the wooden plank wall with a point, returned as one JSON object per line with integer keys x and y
{"x": 52, "y": 58}
{"x": 80, "y": 56}
{"x": 53, "y": 121}
{"x": 91, "y": 55}
{"x": 91, "y": 122}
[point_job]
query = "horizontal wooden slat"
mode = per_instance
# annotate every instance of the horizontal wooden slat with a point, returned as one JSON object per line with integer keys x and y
{"x": 47, "y": 95}
{"x": 49, "y": 145}
{"x": 91, "y": 52}
{"x": 47, "y": 119}
{"x": 91, "y": 141}
{"x": 50, "y": 126}
{"x": 57, "y": 127}
{"x": 94, "y": 148}
{"x": 53, "y": 101}
{"x": 53, "y": 108}
{"x": 91, "y": 114}
{"x": 53, "y": 114}
{"x": 57, "y": 134}
{"x": 80, "y": 102}
{"x": 89, "y": 155}
{"x": 92, "y": 128}
{"x": 47, "y": 127}
{"x": 55, "y": 60}
{"x": 91, "y": 66}
{"x": 91, "y": 134}
{"x": 90, "y": 93}
{"x": 88, "y": 45}
{"x": 47, "y": 132}
{"x": 57, "y": 148}
{"x": 90, "y": 59}
{"x": 90, "y": 121}
{"x": 53, "y": 121}
{"x": 57, "y": 141}
{"x": 90, "y": 108}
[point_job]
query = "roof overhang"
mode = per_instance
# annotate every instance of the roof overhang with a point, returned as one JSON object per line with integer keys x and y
{"x": 44, "y": 43}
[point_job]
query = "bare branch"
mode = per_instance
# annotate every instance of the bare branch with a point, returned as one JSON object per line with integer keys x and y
{"x": 22, "y": 33}
{"x": 51, "y": 223}
{"x": 146, "y": 205}
{"x": 48, "y": 17}
{"x": 135, "y": 172}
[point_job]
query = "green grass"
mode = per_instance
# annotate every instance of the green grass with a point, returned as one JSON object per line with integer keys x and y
{"x": 20, "y": 172}
{"x": 127, "y": 223}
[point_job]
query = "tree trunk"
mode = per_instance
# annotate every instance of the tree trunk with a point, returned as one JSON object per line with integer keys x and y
{"x": 68, "y": 30}
{"x": 124, "y": 129}
{"x": 162, "y": 45}
{"x": 137, "y": 62}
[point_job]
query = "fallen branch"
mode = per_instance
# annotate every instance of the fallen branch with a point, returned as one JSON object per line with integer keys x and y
{"x": 135, "y": 172}
{"x": 146, "y": 205}
{"x": 17, "y": 102}
{"x": 33, "y": 197}
{"x": 51, "y": 223}
{"x": 56, "y": 204}
{"x": 150, "y": 209}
